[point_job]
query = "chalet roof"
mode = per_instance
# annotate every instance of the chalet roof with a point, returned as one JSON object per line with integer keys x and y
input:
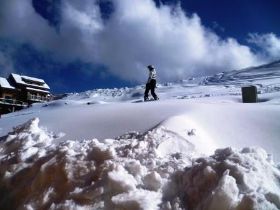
{"x": 5, "y": 84}
{"x": 30, "y": 81}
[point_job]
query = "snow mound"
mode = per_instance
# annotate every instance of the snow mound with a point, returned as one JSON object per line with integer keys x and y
{"x": 108, "y": 95}
{"x": 185, "y": 129}
{"x": 232, "y": 180}
{"x": 38, "y": 172}
{"x": 133, "y": 171}
{"x": 26, "y": 142}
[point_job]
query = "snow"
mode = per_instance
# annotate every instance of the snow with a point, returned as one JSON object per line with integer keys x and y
{"x": 5, "y": 84}
{"x": 152, "y": 181}
{"x": 20, "y": 80}
{"x": 198, "y": 147}
{"x": 141, "y": 199}
{"x": 127, "y": 173}
{"x": 37, "y": 90}
{"x": 231, "y": 179}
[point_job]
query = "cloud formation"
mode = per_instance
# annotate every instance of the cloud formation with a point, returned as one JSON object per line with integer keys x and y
{"x": 270, "y": 44}
{"x": 131, "y": 38}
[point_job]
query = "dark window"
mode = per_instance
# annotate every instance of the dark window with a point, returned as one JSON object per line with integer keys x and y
{"x": 8, "y": 97}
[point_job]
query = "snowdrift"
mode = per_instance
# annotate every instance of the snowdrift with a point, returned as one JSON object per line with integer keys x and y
{"x": 133, "y": 171}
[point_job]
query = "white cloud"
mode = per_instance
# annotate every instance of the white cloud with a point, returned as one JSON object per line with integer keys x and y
{"x": 20, "y": 22}
{"x": 137, "y": 34}
{"x": 149, "y": 35}
{"x": 269, "y": 43}
{"x": 178, "y": 45}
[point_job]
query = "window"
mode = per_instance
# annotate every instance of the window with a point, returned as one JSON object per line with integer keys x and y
{"x": 8, "y": 97}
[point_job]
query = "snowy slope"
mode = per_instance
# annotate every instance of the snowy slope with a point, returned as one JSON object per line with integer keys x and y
{"x": 105, "y": 149}
{"x": 253, "y": 74}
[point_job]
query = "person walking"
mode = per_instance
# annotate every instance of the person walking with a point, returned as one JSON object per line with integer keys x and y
{"x": 151, "y": 84}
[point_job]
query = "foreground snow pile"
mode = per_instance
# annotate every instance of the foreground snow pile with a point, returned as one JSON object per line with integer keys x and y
{"x": 233, "y": 180}
{"x": 116, "y": 173}
{"x": 133, "y": 171}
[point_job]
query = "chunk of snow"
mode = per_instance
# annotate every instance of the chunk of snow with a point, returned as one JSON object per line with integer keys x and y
{"x": 137, "y": 200}
{"x": 152, "y": 181}
{"x": 120, "y": 180}
{"x": 232, "y": 180}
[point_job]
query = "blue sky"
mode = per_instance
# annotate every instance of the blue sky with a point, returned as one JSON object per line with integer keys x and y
{"x": 80, "y": 45}
{"x": 237, "y": 17}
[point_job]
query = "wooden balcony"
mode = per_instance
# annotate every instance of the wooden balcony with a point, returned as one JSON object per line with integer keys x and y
{"x": 12, "y": 102}
{"x": 35, "y": 98}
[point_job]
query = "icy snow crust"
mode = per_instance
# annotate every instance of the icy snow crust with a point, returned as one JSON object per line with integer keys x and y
{"x": 133, "y": 171}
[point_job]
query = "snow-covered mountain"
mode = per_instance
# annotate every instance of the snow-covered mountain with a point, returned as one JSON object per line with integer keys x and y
{"x": 199, "y": 147}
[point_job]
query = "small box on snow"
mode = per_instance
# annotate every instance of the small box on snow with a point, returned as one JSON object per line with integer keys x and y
{"x": 249, "y": 94}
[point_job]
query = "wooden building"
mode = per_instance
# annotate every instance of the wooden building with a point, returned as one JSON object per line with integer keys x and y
{"x": 19, "y": 91}
{"x": 31, "y": 89}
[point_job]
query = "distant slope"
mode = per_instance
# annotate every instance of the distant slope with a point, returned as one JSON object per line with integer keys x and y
{"x": 249, "y": 75}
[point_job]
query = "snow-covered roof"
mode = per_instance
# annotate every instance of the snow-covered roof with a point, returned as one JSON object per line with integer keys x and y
{"x": 30, "y": 81}
{"x": 5, "y": 84}
{"x": 37, "y": 90}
